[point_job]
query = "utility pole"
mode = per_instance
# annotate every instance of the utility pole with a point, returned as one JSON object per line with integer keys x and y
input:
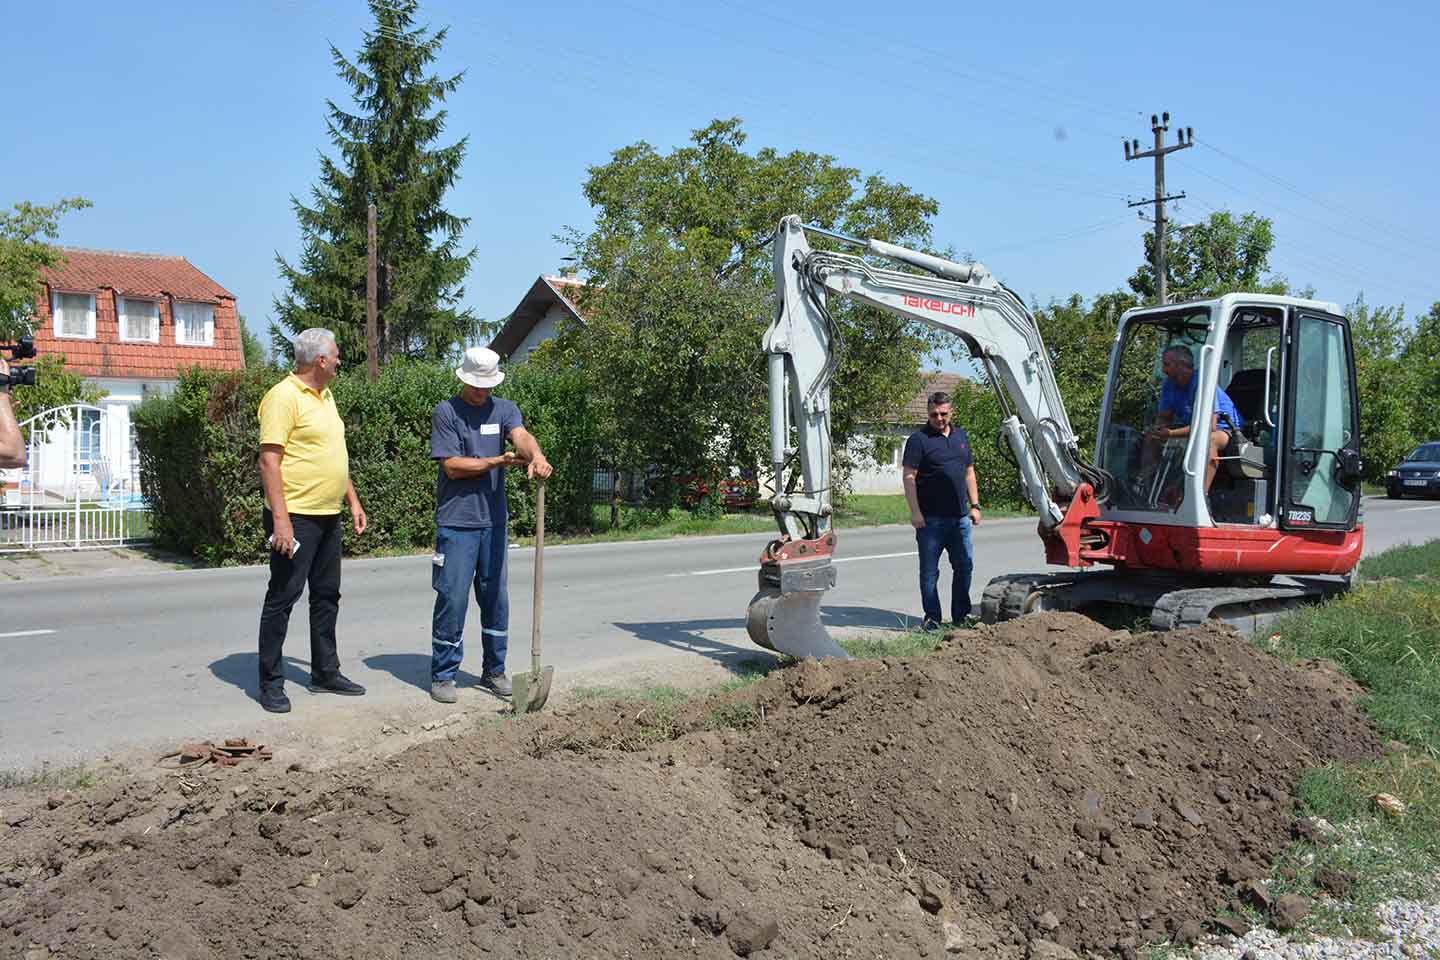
{"x": 372, "y": 334}
{"x": 1186, "y": 138}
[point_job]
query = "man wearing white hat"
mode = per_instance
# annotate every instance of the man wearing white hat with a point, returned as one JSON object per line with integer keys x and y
{"x": 468, "y": 433}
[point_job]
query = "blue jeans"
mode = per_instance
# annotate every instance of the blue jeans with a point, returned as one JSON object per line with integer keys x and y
{"x": 466, "y": 558}
{"x": 937, "y": 536}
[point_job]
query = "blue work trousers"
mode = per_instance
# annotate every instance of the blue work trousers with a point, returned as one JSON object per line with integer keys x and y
{"x": 937, "y": 536}
{"x": 466, "y": 558}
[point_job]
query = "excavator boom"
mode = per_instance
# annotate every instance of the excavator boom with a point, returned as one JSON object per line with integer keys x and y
{"x": 802, "y": 346}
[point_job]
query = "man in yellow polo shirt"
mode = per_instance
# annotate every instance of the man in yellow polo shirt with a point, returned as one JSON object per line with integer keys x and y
{"x": 305, "y": 472}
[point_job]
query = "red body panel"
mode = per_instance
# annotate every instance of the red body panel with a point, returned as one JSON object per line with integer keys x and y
{"x": 1228, "y": 549}
{"x": 1083, "y": 539}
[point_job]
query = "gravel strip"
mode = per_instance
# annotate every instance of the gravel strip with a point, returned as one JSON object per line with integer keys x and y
{"x": 1411, "y": 928}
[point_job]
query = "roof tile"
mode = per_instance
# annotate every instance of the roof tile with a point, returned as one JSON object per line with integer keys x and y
{"x": 133, "y": 274}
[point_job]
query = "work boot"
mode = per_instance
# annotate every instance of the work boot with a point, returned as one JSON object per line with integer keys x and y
{"x": 336, "y": 683}
{"x": 274, "y": 700}
{"x": 496, "y": 683}
{"x": 442, "y": 691}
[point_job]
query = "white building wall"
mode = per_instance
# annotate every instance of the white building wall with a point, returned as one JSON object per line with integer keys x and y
{"x": 867, "y": 476}
{"x": 545, "y": 329}
{"x": 121, "y": 396}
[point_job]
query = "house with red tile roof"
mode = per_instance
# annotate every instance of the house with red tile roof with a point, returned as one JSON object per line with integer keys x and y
{"x": 131, "y": 322}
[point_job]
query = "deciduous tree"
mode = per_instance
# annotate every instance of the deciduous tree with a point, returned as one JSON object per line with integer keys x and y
{"x": 1223, "y": 254}
{"x": 24, "y": 253}
{"x": 681, "y": 290}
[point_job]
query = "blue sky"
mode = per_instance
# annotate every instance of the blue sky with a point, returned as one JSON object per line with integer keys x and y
{"x": 191, "y": 125}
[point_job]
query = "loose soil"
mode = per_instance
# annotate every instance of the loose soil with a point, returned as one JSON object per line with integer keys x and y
{"x": 1044, "y": 786}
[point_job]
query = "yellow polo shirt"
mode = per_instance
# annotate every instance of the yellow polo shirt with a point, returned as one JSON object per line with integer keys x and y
{"x": 316, "y": 466}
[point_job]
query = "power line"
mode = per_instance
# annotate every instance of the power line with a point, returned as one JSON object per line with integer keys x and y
{"x": 1325, "y": 266}
{"x": 1341, "y": 211}
{"x": 1060, "y": 237}
{"x": 1330, "y": 228}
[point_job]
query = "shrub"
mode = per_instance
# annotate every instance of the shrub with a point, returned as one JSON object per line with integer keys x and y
{"x": 198, "y": 450}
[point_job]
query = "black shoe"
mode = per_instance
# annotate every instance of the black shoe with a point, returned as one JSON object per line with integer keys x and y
{"x": 275, "y": 701}
{"x": 496, "y": 683}
{"x": 336, "y": 684}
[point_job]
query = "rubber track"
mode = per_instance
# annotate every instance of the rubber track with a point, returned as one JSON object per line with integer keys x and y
{"x": 1007, "y": 597}
{"x": 1191, "y": 608}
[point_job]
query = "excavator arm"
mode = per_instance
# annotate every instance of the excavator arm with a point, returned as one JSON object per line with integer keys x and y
{"x": 803, "y": 346}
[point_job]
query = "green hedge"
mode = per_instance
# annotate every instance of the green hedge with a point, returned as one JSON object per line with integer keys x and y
{"x": 198, "y": 449}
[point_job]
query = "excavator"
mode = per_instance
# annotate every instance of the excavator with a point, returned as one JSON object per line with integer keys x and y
{"x": 1141, "y": 527}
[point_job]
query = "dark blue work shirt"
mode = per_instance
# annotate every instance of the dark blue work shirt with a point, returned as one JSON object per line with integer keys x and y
{"x": 940, "y": 463}
{"x": 1179, "y": 402}
{"x": 460, "y": 429}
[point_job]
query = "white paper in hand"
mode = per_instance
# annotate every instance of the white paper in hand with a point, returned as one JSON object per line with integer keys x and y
{"x": 293, "y": 549}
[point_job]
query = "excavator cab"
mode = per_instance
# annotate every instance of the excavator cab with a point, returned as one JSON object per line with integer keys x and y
{"x": 1275, "y": 374}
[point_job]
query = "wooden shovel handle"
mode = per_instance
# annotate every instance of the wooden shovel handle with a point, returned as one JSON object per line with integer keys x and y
{"x": 539, "y": 571}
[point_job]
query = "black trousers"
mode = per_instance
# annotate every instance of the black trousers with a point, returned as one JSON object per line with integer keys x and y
{"x": 317, "y": 563}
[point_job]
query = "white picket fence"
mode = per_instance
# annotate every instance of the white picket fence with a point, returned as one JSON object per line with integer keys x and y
{"x": 79, "y": 489}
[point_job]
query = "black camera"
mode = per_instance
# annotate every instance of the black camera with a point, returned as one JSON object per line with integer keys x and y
{"x": 22, "y": 349}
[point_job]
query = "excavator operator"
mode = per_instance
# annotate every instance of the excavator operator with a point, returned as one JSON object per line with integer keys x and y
{"x": 1177, "y": 403}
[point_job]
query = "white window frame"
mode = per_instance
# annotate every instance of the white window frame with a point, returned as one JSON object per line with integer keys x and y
{"x": 55, "y": 296}
{"x": 209, "y": 340}
{"x": 125, "y": 317}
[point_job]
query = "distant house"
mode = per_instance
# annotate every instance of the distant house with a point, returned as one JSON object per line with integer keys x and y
{"x": 537, "y": 317}
{"x": 889, "y": 435}
{"x": 129, "y": 323}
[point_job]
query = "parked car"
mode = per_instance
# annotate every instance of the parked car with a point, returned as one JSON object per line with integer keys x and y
{"x": 1417, "y": 473}
{"x": 738, "y": 491}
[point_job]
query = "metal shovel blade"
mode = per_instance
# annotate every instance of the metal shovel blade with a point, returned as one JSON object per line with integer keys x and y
{"x": 531, "y": 690}
{"x": 789, "y": 623}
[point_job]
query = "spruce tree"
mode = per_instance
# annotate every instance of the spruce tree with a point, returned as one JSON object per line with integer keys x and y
{"x": 388, "y": 156}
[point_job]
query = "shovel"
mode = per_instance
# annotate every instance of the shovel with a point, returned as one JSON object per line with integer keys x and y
{"x": 531, "y": 690}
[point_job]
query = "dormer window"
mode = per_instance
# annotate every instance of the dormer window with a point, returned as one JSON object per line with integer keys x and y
{"x": 194, "y": 324}
{"x": 139, "y": 321}
{"x": 74, "y": 315}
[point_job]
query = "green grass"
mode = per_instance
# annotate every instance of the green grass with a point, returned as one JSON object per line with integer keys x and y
{"x": 872, "y": 509}
{"x": 913, "y": 643}
{"x": 1405, "y": 561}
{"x": 1388, "y": 856}
{"x": 649, "y": 523}
{"x": 46, "y": 777}
{"x": 662, "y": 694}
{"x": 1386, "y": 635}
{"x": 868, "y": 510}
{"x": 733, "y": 716}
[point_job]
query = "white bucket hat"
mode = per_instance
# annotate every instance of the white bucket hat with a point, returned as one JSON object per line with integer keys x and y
{"x": 480, "y": 368}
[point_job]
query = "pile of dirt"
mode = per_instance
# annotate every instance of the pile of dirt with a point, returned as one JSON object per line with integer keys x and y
{"x": 1043, "y": 785}
{"x": 1077, "y": 785}
{"x": 454, "y": 849}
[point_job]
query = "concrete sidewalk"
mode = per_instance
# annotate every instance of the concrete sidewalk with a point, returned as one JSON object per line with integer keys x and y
{"x": 91, "y": 563}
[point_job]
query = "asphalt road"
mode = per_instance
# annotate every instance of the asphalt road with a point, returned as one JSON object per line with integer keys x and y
{"x": 93, "y": 664}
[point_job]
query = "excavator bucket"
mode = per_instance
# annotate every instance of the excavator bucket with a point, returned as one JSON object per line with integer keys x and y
{"x": 785, "y": 615}
{"x": 789, "y": 623}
